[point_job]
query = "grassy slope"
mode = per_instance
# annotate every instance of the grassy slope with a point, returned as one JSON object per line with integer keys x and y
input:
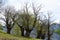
{"x": 5, "y": 36}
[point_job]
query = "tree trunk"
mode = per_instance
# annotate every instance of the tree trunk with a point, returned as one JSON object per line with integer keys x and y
{"x": 28, "y": 33}
{"x": 22, "y": 31}
{"x": 8, "y": 30}
{"x": 48, "y": 29}
{"x": 48, "y": 35}
{"x": 43, "y": 36}
{"x": 39, "y": 34}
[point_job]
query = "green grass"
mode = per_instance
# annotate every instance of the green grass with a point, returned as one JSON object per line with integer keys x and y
{"x": 5, "y": 36}
{"x": 57, "y": 31}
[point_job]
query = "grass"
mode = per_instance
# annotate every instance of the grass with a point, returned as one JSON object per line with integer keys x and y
{"x": 57, "y": 31}
{"x": 5, "y": 36}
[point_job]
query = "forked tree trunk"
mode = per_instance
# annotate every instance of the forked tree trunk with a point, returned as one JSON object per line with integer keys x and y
{"x": 28, "y": 32}
{"x": 8, "y": 30}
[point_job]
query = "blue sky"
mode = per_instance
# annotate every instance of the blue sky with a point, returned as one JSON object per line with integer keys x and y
{"x": 48, "y": 5}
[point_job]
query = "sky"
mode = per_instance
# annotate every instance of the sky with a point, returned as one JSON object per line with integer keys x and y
{"x": 48, "y": 5}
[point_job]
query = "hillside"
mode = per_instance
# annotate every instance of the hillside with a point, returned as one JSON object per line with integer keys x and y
{"x": 5, "y": 36}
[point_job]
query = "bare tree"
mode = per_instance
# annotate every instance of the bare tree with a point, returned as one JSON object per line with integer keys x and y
{"x": 23, "y": 23}
{"x": 43, "y": 24}
{"x": 18, "y": 18}
{"x": 49, "y": 26}
{"x": 7, "y": 19}
{"x": 37, "y": 11}
{"x": 23, "y": 19}
{"x": 49, "y": 23}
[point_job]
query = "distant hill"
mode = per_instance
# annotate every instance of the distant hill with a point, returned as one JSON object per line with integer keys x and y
{"x": 55, "y": 26}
